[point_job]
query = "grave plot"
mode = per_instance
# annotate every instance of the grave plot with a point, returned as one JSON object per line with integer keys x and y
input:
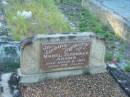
{"x": 64, "y": 61}
{"x": 59, "y": 55}
{"x": 98, "y": 85}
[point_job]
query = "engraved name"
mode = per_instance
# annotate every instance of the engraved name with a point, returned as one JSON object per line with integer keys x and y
{"x": 62, "y": 55}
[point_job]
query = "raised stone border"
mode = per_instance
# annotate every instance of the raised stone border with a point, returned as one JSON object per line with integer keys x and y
{"x": 121, "y": 77}
{"x": 31, "y": 70}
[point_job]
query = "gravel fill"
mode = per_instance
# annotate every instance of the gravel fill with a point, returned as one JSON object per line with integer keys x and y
{"x": 98, "y": 85}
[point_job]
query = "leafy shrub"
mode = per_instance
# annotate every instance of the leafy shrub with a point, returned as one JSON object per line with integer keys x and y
{"x": 90, "y": 23}
{"x": 127, "y": 68}
{"x": 109, "y": 56}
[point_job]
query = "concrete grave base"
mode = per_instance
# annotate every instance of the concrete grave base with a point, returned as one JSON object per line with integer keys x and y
{"x": 99, "y": 69}
{"x": 85, "y": 50}
{"x": 34, "y": 78}
{"x": 50, "y": 75}
{"x": 26, "y": 79}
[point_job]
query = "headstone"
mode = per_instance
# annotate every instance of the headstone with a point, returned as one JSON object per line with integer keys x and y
{"x": 64, "y": 55}
{"x": 59, "y": 55}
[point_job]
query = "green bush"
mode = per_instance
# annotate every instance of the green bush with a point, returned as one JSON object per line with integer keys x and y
{"x": 109, "y": 56}
{"x": 90, "y": 23}
{"x": 46, "y": 18}
{"x": 127, "y": 68}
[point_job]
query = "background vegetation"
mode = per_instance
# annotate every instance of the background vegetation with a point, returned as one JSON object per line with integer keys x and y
{"x": 86, "y": 22}
{"x": 46, "y": 18}
{"x": 127, "y": 68}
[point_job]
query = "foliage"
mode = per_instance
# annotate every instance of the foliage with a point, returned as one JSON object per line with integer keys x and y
{"x": 90, "y": 23}
{"x": 69, "y": 1}
{"x": 127, "y": 68}
{"x": 9, "y": 67}
{"x": 46, "y": 18}
{"x": 109, "y": 56}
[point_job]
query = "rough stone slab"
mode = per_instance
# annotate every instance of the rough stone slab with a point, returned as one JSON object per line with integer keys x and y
{"x": 113, "y": 14}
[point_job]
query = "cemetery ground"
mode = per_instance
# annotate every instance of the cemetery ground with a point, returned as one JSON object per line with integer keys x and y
{"x": 98, "y": 85}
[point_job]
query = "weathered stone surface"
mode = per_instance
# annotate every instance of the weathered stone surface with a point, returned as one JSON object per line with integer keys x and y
{"x": 30, "y": 59}
{"x": 97, "y": 56}
{"x": 59, "y": 55}
{"x": 64, "y": 55}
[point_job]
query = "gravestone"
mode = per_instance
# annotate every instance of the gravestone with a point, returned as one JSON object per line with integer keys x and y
{"x": 59, "y": 55}
{"x": 64, "y": 55}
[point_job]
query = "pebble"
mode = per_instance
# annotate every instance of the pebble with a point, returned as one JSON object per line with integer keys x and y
{"x": 98, "y": 85}
{"x": 112, "y": 65}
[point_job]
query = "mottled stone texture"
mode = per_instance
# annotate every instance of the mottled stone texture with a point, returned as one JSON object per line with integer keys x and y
{"x": 30, "y": 59}
{"x": 59, "y": 55}
{"x": 96, "y": 63}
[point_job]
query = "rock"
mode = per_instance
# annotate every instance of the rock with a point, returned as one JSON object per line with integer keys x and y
{"x": 17, "y": 93}
{"x": 14, "y": 79}
{"x": 9, "y": 85}
{"x": 10, "y": 53}
{"x": 4, "y": 2}
{"x": 112, "y": 66}
{"x": 25, "y": 14}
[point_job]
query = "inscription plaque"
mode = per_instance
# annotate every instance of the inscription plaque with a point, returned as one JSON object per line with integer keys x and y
{"x": 64, "y": 55}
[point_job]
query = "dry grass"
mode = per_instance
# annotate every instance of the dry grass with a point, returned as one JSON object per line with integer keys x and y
{"x": 46, "y": 18}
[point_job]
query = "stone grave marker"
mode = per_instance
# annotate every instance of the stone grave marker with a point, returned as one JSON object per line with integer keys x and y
{"x": 64, "y": 55}
{"x": 59, "y": 55}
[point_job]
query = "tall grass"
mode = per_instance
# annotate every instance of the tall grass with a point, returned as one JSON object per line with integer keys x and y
{"x": 46, "y": 18}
